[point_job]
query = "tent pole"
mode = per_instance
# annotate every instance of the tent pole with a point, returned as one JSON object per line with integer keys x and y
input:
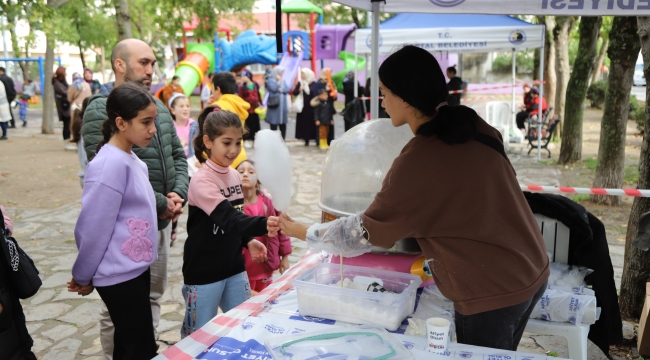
{"x": 541, "y": 97}
{"x": 514, "y": 75}
{"x": 374, "y": 67}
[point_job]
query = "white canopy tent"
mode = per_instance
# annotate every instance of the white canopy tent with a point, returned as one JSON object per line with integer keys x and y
{"x": 458, "y": 33}
{"x": 524, "y": 7}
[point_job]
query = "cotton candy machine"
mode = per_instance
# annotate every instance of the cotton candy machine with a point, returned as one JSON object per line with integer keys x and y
{"x": 354, "y": 171}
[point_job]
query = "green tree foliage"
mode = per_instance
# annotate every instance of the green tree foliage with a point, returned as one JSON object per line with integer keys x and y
{"x": 525, "y": 62}
{"x": 334, "y": 13}
{"x": 87, "y": 25}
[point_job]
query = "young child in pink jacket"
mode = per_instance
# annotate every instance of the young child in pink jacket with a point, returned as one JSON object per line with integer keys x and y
{"x": 256, "y": 203}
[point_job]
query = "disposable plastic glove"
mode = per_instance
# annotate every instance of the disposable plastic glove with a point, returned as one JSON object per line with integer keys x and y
{"x": 341, "y": 236}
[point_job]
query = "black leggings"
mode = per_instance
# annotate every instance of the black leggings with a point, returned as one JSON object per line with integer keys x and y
{"x": 130, "y": 309}
{"x": 522, "y": 116}
{"x": 498, "y": 329}
{"x": 66, "y": 127}
{"x": 283, "y": 129}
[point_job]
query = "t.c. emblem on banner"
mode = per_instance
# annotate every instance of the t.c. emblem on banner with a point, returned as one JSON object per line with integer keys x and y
{"x": 517, "y": 37}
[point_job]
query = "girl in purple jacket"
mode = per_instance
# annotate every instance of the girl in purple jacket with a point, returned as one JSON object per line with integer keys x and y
{"x": 116, "y": 229}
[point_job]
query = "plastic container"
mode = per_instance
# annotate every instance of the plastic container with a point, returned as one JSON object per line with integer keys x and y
{"x": 338, "y": 343}
{"x": 318, "y": 297}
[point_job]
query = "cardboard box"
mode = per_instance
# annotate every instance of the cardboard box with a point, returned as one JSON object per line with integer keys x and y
{"x": 644, "y": 325}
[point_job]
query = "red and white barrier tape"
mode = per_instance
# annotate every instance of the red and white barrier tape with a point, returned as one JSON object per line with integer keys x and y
{"x": 487, "y": 97}
{"x": 480, "y": 89}
{"x": 589, "y": 191}
{"x": 368, "y": 98}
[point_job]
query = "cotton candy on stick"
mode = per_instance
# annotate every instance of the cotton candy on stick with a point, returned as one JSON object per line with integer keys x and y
{"x": 273, "y": 166}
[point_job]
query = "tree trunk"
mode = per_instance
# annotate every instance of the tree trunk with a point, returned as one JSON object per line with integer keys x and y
{"x": 622, "y": 53}
{"x": 81, "y": 49}
{"x": 26, "y": 71}
{"x": 48, "y": 93}
{"x": 550, "y": 75}
{"x": 600, "y": 60}
{"x": 571, "y": 149}
{"x": 123, "y": 19}
{"x": 636, "y": 268}
{"x": 81, "y": 55}
{"x": 561, "y": 35}
{"x": 11, "y": 25}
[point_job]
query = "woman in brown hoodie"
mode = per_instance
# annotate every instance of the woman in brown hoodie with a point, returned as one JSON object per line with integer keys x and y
{"x": 453, "y": 189}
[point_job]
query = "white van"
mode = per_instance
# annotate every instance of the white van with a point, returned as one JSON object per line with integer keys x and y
{"x": 639, "y": 77}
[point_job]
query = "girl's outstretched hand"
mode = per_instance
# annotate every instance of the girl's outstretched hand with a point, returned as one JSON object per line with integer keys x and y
{"x": 293, "y": 228}
{"x": 273, "y": 225}
{"x": 257, "y": 250}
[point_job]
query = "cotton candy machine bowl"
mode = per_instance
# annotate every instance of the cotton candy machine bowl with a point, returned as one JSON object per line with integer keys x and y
{"x": 355, "y": 168}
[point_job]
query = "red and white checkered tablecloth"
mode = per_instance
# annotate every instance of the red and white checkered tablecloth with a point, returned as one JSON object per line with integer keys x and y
{"x": 222, "y": 324}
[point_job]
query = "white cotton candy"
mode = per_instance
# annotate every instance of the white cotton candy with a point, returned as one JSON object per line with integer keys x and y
{"x": 273, "y": 166}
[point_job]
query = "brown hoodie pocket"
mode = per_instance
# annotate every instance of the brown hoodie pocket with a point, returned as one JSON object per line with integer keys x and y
{"x": 439, "y": 272}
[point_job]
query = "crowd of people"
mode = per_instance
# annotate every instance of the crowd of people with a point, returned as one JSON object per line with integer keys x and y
{"x": 143, "y": 159}
{"x": 136, "y": 153}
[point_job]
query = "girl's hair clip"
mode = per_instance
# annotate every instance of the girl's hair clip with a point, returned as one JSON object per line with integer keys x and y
{"x": 216, "y": 109}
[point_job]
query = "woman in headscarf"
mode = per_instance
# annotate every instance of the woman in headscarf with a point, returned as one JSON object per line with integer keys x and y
{"x": 305, "y": 126}
{"x": 277, "y": 108}
{"x": 62, "y": 104}
{"x": 325, "y": 82}
{"x": 94, "y": 84}
{"x": 78, "y": 92}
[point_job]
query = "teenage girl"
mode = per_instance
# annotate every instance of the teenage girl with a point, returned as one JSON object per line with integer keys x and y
{"x": 213, "y": 268}
{"x": 278, "y": 247}
{"x": 186, "y": 127}
{"x": 116, "y": 229}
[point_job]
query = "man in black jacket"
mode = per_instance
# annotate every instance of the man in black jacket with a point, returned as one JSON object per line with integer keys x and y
{"x": 11, "y": 93}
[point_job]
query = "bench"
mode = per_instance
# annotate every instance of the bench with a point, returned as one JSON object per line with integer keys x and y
{"x": 548, "y": 128}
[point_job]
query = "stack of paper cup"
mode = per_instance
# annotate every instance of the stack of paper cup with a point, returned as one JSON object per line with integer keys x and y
{"x": 438, "y": 335}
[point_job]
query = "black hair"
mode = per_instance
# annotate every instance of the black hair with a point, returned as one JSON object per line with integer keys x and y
{"x": 453, "y": 125}
{"x": 76, "y": 122}
{"x": 175, "y": 77}
{"x": 321, "y": 90}
{"x": 225, "y": 81}
{"x": 2, "y": 69}
{"x": 452, "y": 69}
{"x": 213, "y": 122}
{"x": 125, "y": 101}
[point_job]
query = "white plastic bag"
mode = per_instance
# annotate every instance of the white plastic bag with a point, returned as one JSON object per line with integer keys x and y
{"x": 568, "y": 275}
{"x": 560, "y": 306}
{"x": 298, "y": 103}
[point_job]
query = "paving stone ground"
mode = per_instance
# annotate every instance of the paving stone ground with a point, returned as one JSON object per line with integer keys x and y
{"x": 65, "y": 326}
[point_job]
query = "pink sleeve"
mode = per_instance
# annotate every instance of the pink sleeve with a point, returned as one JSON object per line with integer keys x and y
{"x": 204, "y": 194}
{"x": 8, "y": 223}
{"x": 285, "y": 245}
{"x": 285, "y": 242}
